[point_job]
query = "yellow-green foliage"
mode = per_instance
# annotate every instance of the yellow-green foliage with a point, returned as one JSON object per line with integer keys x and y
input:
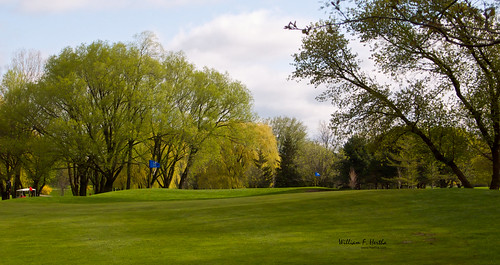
{"x": 46, "y": 190}
{"x": 266, "y": 143}
{"x": 236, "y": 156}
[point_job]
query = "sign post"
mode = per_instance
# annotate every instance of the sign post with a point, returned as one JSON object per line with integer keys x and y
{"x": 152, "y": 164}
{"x": 317, "y": 175}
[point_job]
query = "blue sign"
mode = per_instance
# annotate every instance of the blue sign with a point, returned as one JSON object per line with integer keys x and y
{"x": 317, "y": 174}
{"x": 153, "y": 164}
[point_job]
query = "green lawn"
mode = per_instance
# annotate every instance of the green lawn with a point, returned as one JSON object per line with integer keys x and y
{"x": 254, "y": 226}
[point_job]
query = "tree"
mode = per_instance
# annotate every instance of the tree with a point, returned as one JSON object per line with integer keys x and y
{"x": 190, "y": 108}
{"x": 11, "y": 151}
{"x": 365, "y": 160}
{"x": 169, "y": 124}
{"x": 354, "y": 168}
{"x": 431, "y": 51}
{"x": 144, "y": 73}
{"x": 38, "y": 162}
{"x": 247, "y": 158}
{"x": 98, "y": 115}
{"x": 315, "y": 164}
{"x": 213, "y": 102}
{"x": 12, "y": 136}
{"x": 408, "y": 164}
{"x": 106, "y": 109}
{"x": 90, "y": 95}
{"x": 290, "y": 134}
{"x": 326, "y": 136}
{"x": 15, "y": 130}
{"x": 265, "y": 157}
{"x": 288, "y": 174}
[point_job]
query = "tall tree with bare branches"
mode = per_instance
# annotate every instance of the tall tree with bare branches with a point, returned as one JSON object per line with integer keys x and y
{"x": 442, "y": 60}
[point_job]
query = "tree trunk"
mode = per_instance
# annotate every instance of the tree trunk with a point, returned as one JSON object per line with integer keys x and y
{"x": 84, "y": 181}
{"x": 36, "y": 182}
{"x": 39, "y": 191}
{"x": 185, "y": 173}
{"x": 129, "y": 163}
{"x": 150, "y": 177}
{"x": 495, "y": 178}
{"x": 108, "y": 186}
{"x": 461, "y": 176}
{"x": 353, "y": 178}
{"x": 101, "y": 182}
{"x": 3, "y": 191}
{"x": 12, "y": 188}
{"x": 17, "y": 178}
{"x": 73, "y": 180}
{"x": 440, "y": 157}
{"x": 170, "y": 174}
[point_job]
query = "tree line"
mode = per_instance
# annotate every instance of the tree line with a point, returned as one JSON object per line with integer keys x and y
{"x": 96, "y": 114}
{"x": 395, "y": 159}
{"x": 435, "y": 76}
{"x": 91, "y": 117}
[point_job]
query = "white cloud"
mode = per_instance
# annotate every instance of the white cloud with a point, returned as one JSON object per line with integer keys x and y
{"x": 251, "y": 37}
{"x": 255, "y": 49}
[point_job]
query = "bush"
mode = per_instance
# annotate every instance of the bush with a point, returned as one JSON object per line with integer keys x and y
{"x": 46, "y": 190}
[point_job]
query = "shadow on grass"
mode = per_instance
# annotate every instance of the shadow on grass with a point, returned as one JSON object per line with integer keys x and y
{"x": 143, "y": 195}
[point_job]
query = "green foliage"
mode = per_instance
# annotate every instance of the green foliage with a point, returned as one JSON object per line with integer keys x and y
{"x": 362, "y": 160}
{"x": 215, "y": 104}
{"x": 316, "y": 158}
{"x": 429, "y": 52}
{"x": 96, "y": 118}
{"x": 38, "y": 162}
{"x": 408, "y": 162}
{"x": 410, "y": 155}
{"x": 103, "y": 110}
{"x": 21, "y": 147}
{"x": 248, "y": 157}
{"x": 290, "y": 135}
{"x": 397, "y": 159}
{"x": 288, "y": 173}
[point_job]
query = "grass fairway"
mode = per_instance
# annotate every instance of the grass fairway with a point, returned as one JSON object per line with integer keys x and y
{"x": 269, "y": 226}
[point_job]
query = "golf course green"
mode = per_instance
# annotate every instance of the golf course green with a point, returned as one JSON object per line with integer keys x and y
{"x": 254, "y": 226}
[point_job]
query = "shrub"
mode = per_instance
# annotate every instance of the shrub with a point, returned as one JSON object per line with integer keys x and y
{"x": 46, "y": 190}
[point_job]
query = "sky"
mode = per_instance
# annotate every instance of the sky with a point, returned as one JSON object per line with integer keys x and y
{"x": 246, "y": 39}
